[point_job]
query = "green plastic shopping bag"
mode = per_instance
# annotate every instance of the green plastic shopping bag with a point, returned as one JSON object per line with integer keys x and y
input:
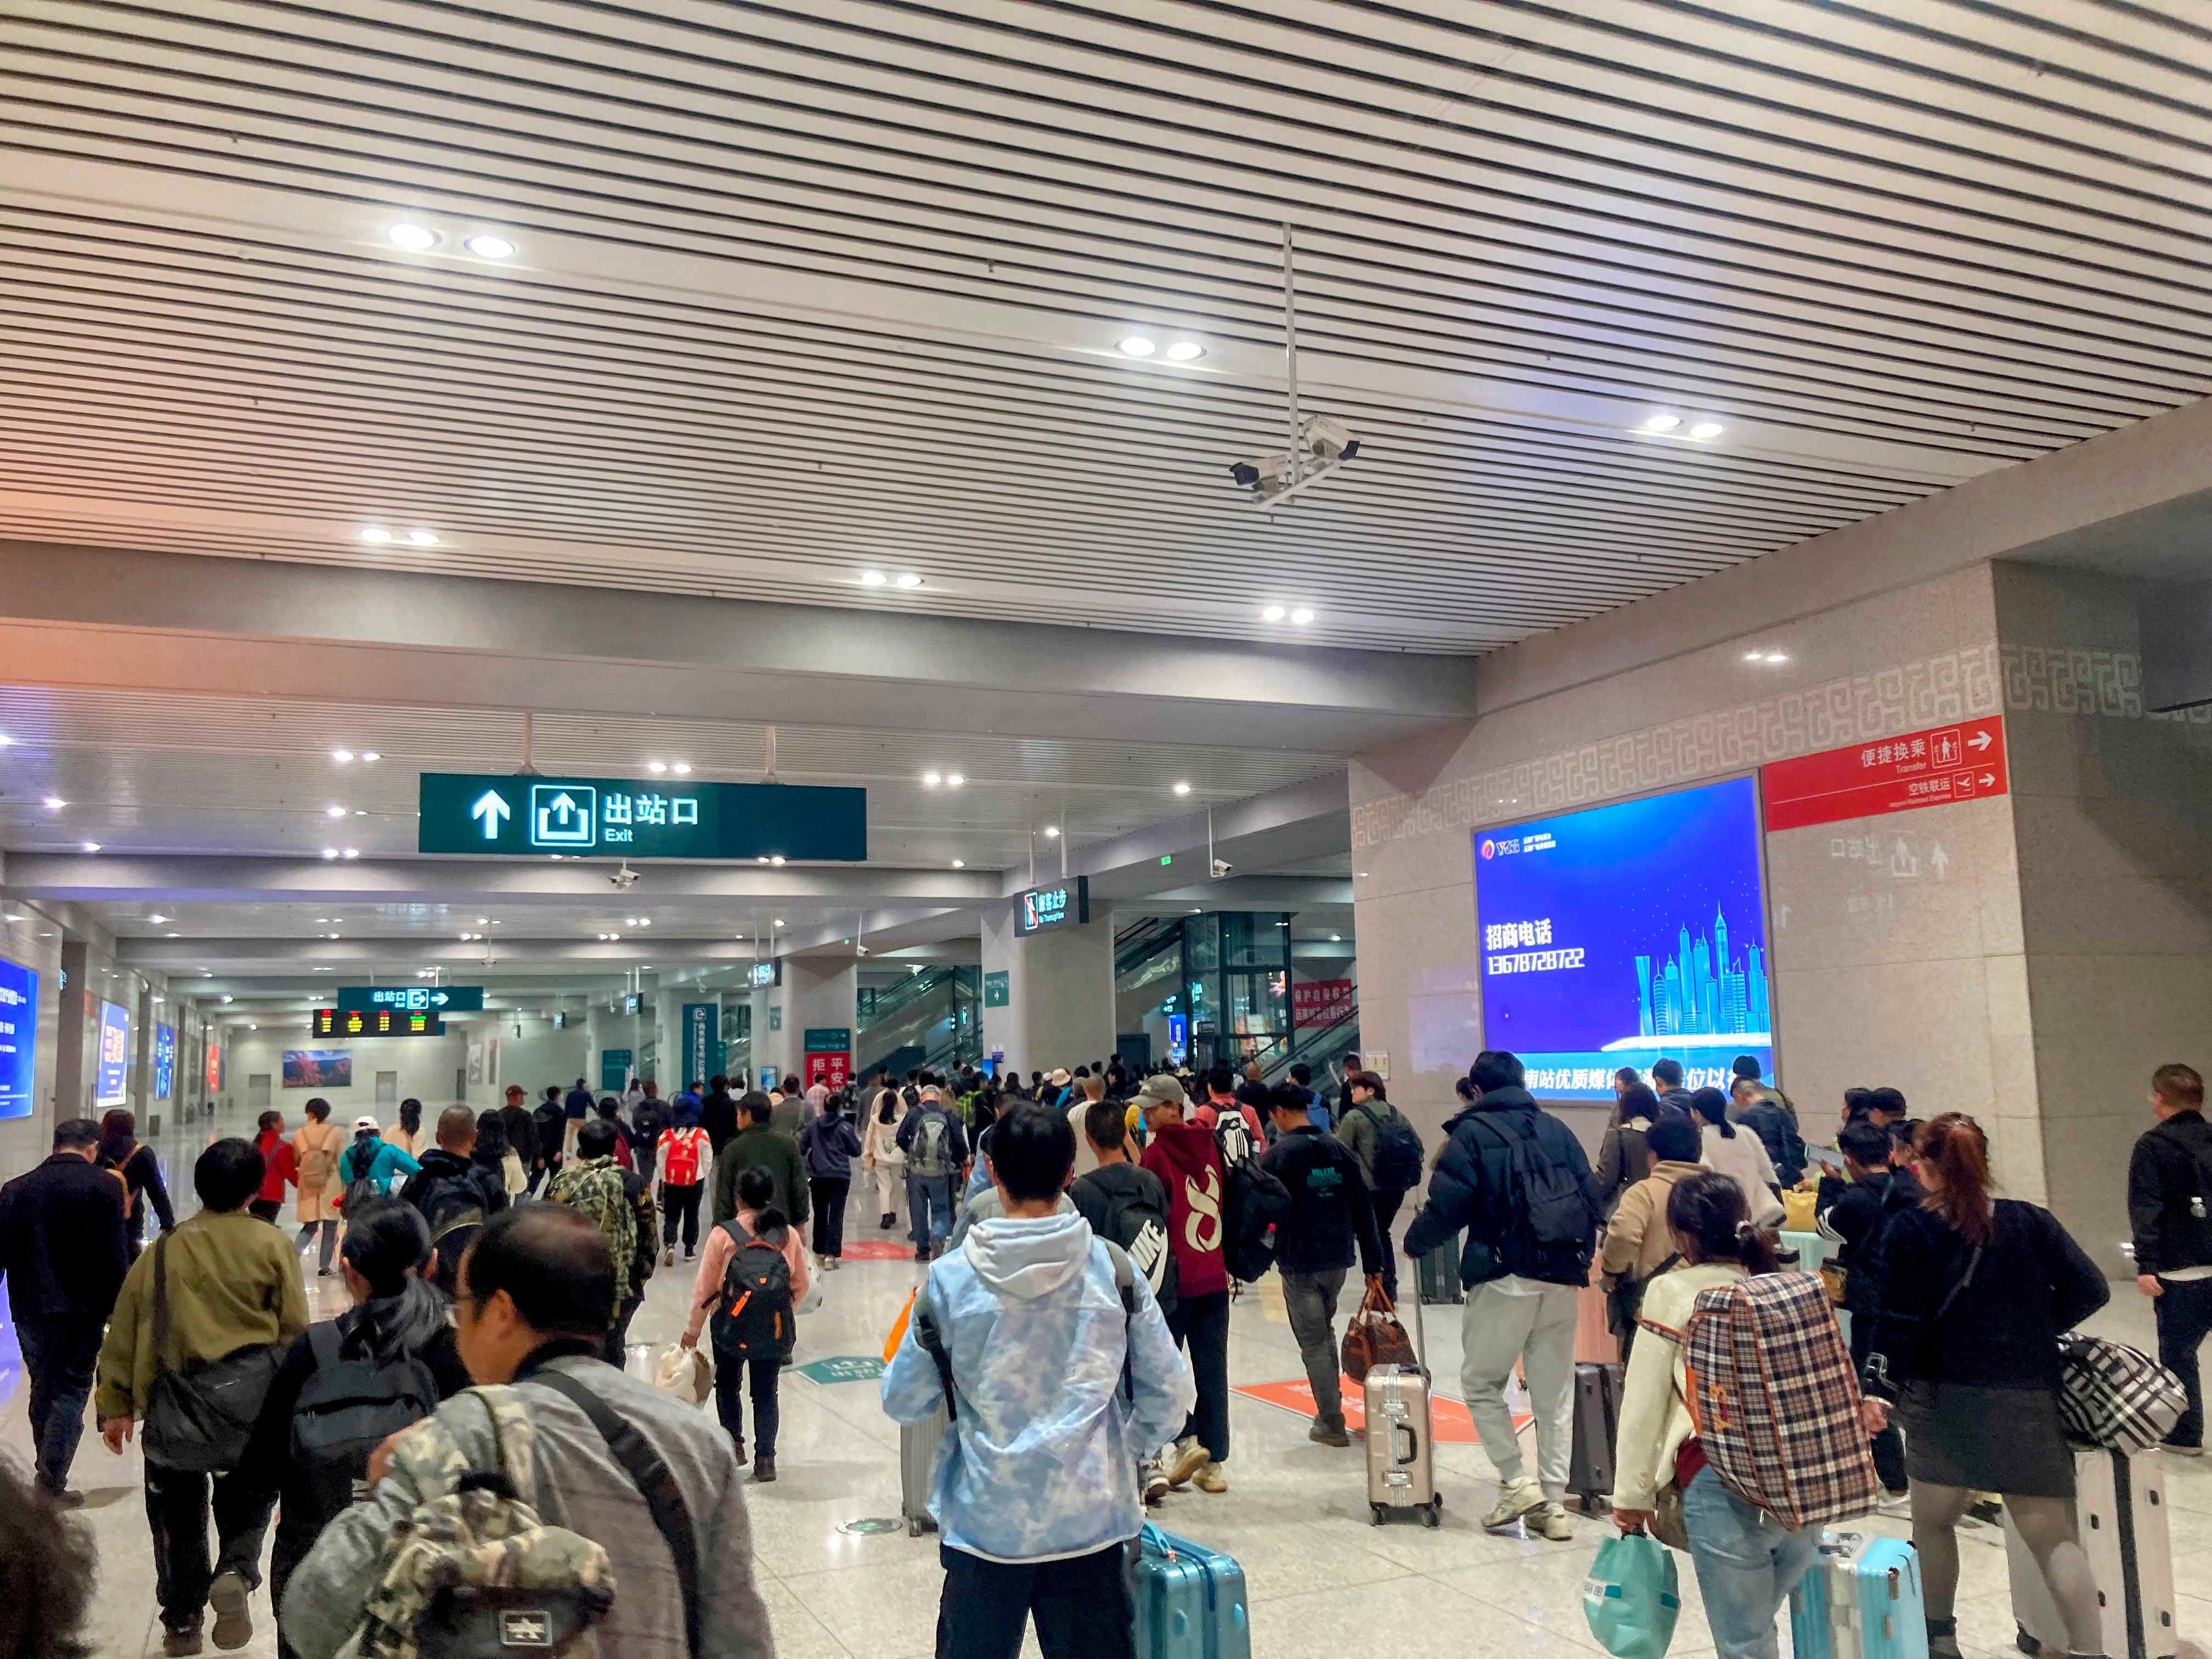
{"x": 1632, "y": 1597}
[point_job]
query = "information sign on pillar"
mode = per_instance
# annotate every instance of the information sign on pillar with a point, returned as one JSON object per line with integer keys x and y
{"x": 702, "y": 1042}
{"x": 1046, "y": 909}
{"x": 828, "y": 1051}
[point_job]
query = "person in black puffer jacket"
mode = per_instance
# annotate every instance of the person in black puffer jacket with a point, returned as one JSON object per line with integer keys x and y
{"x": 1516, "y": 1179}
{"x": 2169, "y": 1194}
{"x": 1330, "y": 1211}
{"x": 454, "y": 1194}
{"x": 829, "y": 1143}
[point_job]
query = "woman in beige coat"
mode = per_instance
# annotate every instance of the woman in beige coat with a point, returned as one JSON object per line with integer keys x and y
{"x": 315, "y": 1148}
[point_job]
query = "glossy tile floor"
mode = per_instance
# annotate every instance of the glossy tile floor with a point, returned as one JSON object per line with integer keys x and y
{"x": 1324, "y": 1582}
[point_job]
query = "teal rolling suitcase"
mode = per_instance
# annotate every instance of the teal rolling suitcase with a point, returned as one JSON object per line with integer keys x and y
{"x": 1190, "y": 1600}
{"x": 1860, "y": 1599}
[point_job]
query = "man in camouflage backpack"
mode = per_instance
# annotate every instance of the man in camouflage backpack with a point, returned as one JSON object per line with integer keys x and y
{"x": 594, "y": 1184}
{"x": 569, "y": 1432}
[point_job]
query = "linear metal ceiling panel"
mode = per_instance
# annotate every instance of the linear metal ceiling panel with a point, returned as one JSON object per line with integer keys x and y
{"x": 802, "y": 290}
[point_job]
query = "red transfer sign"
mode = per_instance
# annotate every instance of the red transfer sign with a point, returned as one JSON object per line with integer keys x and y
{"x": 1935, "y": 767}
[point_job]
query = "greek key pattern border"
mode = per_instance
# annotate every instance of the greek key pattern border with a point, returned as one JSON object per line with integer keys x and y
{"x": 1953, "y": 685}
{"x": 2062, "y": 680}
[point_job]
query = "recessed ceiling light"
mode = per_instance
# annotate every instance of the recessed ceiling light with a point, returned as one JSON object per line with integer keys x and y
{"x": 1707, "y": 430}
{"x": 1179, "y": 787}
{"x": 416, "y": 239}
{"x": 908, "y": 579}
{"x": 1136, "y": 345}
{"x": 55, "y": 803}
{"x": 1663, "y": 422}
{"x": 873, "y": 579}
{"x": 5, "y": 740}
{"x": 960, "y": 863}
{"x": 776, "y": 860}
{"x": 484, "y": 921}
{"x": 778, "y": 921}
{"x": 1776, "y": 656}
{"x": 763, "y": 858}
{"x": 1300, "y": 617}
{"x": 360, "y": 811}
{"x": 176, "y": 936}
{"x": 325, "y": 920}
{"x": 422, "y": 537}
{"x": 330, "y": 851}
{"x": 1272, "y": 613}
{"x": 342, "y": 756}
{"x": 645, "y": 921}
{"x": 376, "y": 533}
{"x": 1754, "y": 656}
{"x": 90, "y": 846}
{"x": 681, "y": 768}
{"x": 334, "y": 810}
{"x": 931, "y": 780}
{"x": 1185, "y": 351}
{"x": 485, "y": 245}
{"x": 370, "y": 755}
{"x": 954, "y": 780}
{"x": 1336, "y": 939}
{"x": 1052, "y": 832}
{"x": 352, "y": 852}
{"x": 656, "y": 766}
{"x": 157, "y": 919}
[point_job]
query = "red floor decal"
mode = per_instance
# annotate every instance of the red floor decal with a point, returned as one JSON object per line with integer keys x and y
{"x": 877, "y": 1249}
{"x": 1453, "y": 1427}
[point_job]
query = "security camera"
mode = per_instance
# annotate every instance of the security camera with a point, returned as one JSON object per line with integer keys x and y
{"x": 1261, "y": 471}
{"x": 860, "y": 950}
{"x": 624, "y": 879}
{"x": 1324, "y": 444}
{"x": 1222, "y": 867}
{"x": 1328, "y": 439}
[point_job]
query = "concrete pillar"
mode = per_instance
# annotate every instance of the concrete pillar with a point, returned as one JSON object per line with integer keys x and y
{"x": 1060, "y": 992}
{"x": 816, "y": 996}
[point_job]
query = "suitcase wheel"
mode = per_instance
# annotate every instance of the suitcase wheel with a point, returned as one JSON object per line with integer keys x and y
{"x": 2023, "y": 1642}
{"x": 1433, "y": 1516}
{"x": 1381, "y": 1513}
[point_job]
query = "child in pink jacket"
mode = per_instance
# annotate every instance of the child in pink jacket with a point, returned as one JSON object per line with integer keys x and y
{"x": 759, "y": 1218}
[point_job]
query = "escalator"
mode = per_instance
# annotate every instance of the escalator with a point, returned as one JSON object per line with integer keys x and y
{"x": 931, "y": 1021}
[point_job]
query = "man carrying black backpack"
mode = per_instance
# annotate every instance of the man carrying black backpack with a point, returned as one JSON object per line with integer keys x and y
{"x": 1389, "y": 1152}
{"x": 1128, "y": 1206}
{"x": 454, "y": 1194}
{"x": 1516, "y": 1179}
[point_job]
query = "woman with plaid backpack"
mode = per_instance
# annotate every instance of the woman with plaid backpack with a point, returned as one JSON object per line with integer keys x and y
{"x": 1972, "y": 1294}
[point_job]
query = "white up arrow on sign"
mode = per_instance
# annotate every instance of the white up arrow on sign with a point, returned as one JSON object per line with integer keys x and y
{"x": 492, "y": 808}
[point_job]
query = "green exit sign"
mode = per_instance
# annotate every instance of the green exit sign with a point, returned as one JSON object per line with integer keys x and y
{"x": 1167, "y": 857}
{"x": 603, "y": 817}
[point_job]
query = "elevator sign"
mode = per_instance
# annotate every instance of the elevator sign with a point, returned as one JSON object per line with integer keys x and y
{"x": 604, "y": 817}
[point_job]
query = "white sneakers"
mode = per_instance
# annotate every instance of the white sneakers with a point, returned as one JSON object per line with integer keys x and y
{"x": 1185, "y": 1458}
{"x": 1522, "y": 1497}
{"x": 1551, "y": 1522}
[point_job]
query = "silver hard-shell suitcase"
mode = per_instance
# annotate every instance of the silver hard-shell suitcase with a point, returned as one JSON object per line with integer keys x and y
{"x": 918, "y": 1447}
{"x": 2120, "y": 1504}
{"x": 1402, "y": 1458}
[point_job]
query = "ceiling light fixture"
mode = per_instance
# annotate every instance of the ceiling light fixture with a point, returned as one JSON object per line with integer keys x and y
{"x": 778, "y": 921}
{"x": 1136, "y": 345}
{"x": 1663, "y": 422}
{"x": 416, "y": 239}
{"x": 954, "y": 780}
{"x": 763, "y": 858}
{"x": 1336, "y": 939}
{"x": 1273, "y": 613}
{"x": 1776, "y": 656}
{"x": 377, "y": 534}
{"x": 931, "y": 780}
{"x": 485, "y": 245}
{"x": 90, "y": 846}
{"x": 370, "y": 755}
{"x": 1185, "y": 351}
{"x": 776, "y": 859}
{"x": 176, "y": 936}
{"x": 908, "y": 579}
{"x": 334, "y": 810}
{"x": 1300, "y": 617}
{"x": 351, "y": 852}
{"x": 55, "y": 803}
{"x": 1179, "y": 787}
{"x": 342, "y": 756}
{"x": 656, "y": 766}
{"x": 1052, "y": 832}
{"x": 960, "y": 863}
{"x": 157, "y": 919}
{"x": 681, "y": 768}
{"x": 5, "y": 740}
{"x": 422, "y": 537}
{"x": 1706, "y": 429}
{"x": 873, "y": 579}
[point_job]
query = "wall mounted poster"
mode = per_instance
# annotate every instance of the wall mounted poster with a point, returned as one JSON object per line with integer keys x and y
{"x": 319, "y": 1068}
{"x": 1616, "y": 935}
{"x": 19, "y": 1038}
{"x": 112, "y": 1078}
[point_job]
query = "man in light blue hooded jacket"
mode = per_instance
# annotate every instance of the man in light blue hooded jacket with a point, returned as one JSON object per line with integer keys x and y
{"x": 1061, "y": 1390}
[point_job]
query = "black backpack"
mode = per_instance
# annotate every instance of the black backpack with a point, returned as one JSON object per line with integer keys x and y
{"x": 753, "y": 1316}
{"x": 360, "y": 1188}
{"x": 1398, "y": 1150}
{"x": 1546, "y": 1226}
{"x": 453, "y": 1207}
{"x": 345, "y": 1410}
{"x": 1252, "y": 1201}
{"x": 1139, "y": 1227}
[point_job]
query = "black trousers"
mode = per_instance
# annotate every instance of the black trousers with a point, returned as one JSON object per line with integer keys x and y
{"x": 61, "y": 1355}
{"x": 1385, "y": 1212}
{"x": 177, "y": 1507}
{"x": 829, "y": 1213}
{"x": 730, "y": 1379}
{"x": 1201, "y": 1325}
{"x": 2185, "y": 1319}
{"x": 616, "y": 1352}
{"x": 1086, "y": 1607}
{"x": 681, "y": 1204}
{"x": 267, "y": 1209}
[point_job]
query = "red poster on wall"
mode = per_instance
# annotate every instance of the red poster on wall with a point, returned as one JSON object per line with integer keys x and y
{"x": 1320, "y": 1001}
{"x": 831, "y": 1071}
{"x": 1899, "y": 773}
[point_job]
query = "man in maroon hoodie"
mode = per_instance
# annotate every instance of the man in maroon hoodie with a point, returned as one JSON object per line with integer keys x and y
{"x": 1186, "y": 1161}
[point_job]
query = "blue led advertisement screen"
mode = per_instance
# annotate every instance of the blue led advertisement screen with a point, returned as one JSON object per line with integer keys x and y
{"x": 1614, "y": 936}
{"x": 19, "y": 1038}
{"x": 113, "y": 1079}
{"x": 165, "y": 1060}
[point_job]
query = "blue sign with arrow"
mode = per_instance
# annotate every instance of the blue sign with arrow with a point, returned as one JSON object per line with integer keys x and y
{"x": 606, "y": 817}
{"x": 435, "y": 998}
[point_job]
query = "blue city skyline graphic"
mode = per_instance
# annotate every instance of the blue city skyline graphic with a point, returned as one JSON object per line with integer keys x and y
{"x": 1619, "y": 934}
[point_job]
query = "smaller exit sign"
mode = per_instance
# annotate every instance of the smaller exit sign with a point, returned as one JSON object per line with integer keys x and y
{"x": 1167, "y": 857}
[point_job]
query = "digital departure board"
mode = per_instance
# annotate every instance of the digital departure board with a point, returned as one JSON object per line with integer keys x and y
{"x": 375, "y": 1022}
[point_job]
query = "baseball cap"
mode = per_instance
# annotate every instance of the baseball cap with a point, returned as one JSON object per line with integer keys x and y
{"x": 364, "y": 1122}
{"x": 1162, "y": 1088}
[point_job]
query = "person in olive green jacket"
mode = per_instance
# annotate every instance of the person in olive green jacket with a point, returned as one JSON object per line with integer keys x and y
{"x": 760, "y": 1145}
{"x": 232, "y": 1283}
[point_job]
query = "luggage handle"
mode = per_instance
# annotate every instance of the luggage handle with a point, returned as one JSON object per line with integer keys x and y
{"x": 1407, "y": 1441}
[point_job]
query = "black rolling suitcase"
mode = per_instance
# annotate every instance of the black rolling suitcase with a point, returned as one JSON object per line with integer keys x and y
{"x": 1440, "y": 1274}
{"x": 1597, "y": 1428}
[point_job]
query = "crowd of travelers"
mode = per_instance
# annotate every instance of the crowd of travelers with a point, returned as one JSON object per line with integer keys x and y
{"x": 1081, "y": 1235}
